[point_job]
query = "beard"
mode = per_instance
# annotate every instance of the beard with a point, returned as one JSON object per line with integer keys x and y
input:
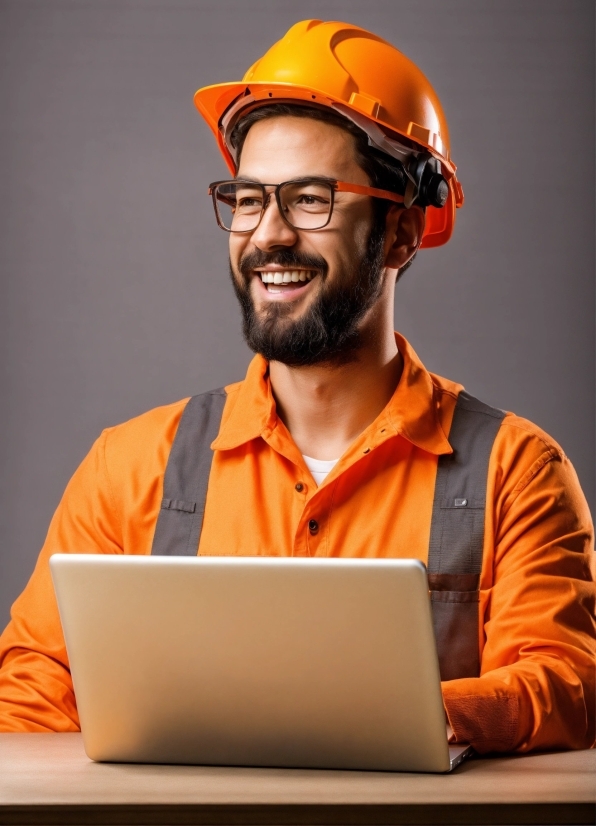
{"x": 329, "y": 329}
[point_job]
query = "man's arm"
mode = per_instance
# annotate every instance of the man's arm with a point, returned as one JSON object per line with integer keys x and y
{"x": 537, "y": 683}
{"x": 36, "y": 692}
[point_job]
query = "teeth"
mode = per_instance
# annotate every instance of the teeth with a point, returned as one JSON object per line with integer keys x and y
{"x": 287, "y": 276}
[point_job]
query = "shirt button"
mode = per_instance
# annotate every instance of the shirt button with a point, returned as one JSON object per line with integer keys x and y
{"x": 313, "y": 526}
{"x": 299, "y": 487}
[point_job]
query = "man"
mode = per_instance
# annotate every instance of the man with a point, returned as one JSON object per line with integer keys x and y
{"x": 339, "y": 442}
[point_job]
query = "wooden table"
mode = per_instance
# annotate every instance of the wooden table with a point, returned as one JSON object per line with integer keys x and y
{"x": 46, "y": 778}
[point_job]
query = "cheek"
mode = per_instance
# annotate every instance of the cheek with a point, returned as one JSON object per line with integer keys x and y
{"x": 352, "y": 244}
{"x": 355, "y": 223}
{"x": 236, "y": 247}
{"x": 234, "y": 244}
{"x": 360, "y": 238}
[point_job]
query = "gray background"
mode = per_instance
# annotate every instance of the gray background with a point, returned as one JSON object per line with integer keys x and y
{"x": 115, "y": 294}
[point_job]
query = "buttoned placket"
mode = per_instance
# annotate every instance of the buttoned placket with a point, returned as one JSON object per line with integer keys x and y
{"x": 312, "y": 532}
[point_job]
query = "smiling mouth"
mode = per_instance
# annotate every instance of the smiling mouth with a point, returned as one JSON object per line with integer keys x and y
{"x": 286, "y": 280}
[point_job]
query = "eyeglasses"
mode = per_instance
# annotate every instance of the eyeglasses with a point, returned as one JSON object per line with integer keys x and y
{"x": 304, "y": 204}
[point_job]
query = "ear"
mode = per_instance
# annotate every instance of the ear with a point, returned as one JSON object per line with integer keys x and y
{"x": 403, "y": 235}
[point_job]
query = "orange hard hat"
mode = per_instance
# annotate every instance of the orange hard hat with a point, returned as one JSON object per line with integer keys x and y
{"x": 362, "y": 77}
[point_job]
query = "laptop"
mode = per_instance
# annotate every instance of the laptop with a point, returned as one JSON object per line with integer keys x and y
{"x": 254, "y": 661}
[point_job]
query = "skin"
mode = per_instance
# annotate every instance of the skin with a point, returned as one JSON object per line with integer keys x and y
{"x": 326, "y": 406}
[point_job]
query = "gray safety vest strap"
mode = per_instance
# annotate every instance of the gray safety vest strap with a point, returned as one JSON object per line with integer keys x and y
{"x": 180, "y": 518}
{"x": 457, "y": 528}
{"x": 457, "y": 536}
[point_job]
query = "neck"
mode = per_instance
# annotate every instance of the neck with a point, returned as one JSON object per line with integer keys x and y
{"x": 327, "y": 406}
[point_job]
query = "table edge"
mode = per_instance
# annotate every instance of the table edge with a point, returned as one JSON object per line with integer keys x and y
{"x": 300, "y": 814}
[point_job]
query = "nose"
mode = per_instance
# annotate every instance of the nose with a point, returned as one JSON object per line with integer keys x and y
{"x": 273, "y": 232}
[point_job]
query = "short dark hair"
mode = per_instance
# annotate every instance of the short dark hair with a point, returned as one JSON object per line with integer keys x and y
{"x": 383, "y": 171}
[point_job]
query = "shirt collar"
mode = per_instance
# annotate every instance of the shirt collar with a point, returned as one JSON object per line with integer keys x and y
{"x": 414, "y": 407}
{"x": 412, "y": 411}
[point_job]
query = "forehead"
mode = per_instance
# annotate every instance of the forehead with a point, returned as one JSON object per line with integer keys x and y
{"x": 281, "y": 148}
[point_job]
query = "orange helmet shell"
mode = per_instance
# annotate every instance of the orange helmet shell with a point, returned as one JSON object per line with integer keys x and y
{"x": 337, "y": 63}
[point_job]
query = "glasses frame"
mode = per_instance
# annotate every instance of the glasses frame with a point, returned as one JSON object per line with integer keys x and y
{"x": 334, "y": 186}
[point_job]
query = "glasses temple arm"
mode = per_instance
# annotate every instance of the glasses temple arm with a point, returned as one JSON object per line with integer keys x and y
{"x": 357, "y": 189}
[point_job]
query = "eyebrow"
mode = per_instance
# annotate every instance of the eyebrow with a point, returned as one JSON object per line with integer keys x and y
{"x": 299, "y": 179}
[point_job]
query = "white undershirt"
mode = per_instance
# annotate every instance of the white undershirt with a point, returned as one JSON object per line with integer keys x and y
{"x": 319, "y": 468}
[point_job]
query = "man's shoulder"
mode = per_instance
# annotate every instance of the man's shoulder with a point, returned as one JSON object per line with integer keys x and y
{"x": 155, "y": 429}
{"x": 521, "y": 448}
{"x": 155, "y": 424}
{"x": 524, "y": 453}
{"x": 514, "y": 428}
{"x": 133, "y": 455}
{"x": 519, "y": 429}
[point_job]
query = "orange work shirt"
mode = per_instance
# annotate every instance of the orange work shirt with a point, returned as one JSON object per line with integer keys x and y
{"x": 536, "y": 628}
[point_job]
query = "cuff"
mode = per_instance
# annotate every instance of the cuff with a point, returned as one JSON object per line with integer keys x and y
{"x": 481, "y": 714}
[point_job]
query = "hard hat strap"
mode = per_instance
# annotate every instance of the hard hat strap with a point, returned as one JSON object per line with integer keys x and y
{"x": 377, "y": 138}
{"x": 413, "y": 161}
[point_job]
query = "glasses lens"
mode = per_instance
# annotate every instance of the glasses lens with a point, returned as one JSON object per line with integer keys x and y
{"x": 307, "y": 204}
{"x": 239, "y": 205}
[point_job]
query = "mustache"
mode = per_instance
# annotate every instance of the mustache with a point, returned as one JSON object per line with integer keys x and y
{"x": 288, "y": 258}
